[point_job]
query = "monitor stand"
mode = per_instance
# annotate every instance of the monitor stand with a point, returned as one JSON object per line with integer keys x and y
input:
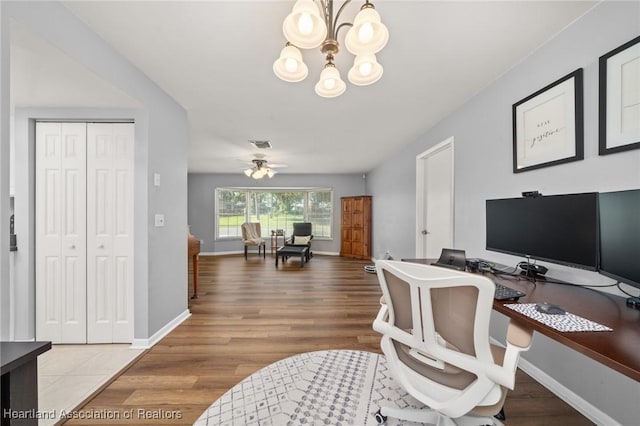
{"x": 532, "y": 270}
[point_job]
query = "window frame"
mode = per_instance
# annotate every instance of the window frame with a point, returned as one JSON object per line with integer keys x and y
{"x": 248, "y": 191}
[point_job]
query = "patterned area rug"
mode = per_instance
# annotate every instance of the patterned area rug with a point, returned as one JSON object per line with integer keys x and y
{"x": 316, "y": 388}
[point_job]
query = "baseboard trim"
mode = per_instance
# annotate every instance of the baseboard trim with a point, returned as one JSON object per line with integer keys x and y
{"x": 220, "y": 253}
{"x": 158, "y": 335}
{"x": 588, "y": 410}
{"x": 585, "y": 408}
{"x": 226, "y": 253}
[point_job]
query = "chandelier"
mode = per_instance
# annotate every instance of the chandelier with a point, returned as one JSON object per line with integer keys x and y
{"x": 310, "y": 25}
{"x": 259, "y": 170}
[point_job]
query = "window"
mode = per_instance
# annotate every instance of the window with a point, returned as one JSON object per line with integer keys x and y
{"x": 274, "y": 209}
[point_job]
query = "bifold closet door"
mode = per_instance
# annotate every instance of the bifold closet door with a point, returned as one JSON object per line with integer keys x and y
{"x": 61, "y": 232}
{"x": 109, "y": 229}
{"x": 84, "y": 212}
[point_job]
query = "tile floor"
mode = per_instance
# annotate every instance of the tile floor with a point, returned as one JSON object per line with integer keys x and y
{"x": 69, "y": 374}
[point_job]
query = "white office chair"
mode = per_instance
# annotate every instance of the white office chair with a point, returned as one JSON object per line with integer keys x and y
{"x": 435, "y": 336}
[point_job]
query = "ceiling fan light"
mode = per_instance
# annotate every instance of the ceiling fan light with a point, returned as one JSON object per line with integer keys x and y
{"x": 304, "y": 26}
{"x": 289, "y": 66}
{"x": 366, "y": 70}
{"x": 259, "y": 173}
{"x": 330, "y": 84}
{"x": 368, "y": 34}
{"x": 271, "y": 173}
{"x": 248, "y": 172}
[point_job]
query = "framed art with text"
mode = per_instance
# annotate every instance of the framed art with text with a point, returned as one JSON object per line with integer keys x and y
{"x": 548, "y": 125}
{"x": 619, "y": 113}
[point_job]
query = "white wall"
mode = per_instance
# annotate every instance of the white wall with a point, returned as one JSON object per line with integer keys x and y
{"x": 160, "y": 271}
{"x": 482, "y": 130}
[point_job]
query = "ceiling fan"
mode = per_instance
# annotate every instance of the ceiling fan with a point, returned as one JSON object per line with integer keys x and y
{"x": 260, "y": 168}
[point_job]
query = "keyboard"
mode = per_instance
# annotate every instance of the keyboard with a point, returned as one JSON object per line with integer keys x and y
{"x": 506, "y": 293}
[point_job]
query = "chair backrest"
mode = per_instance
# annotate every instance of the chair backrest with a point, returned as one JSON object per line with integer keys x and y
{"x": 435, "y": 322}
{"x": 302, "y": 229}
{"x": 251, "y": 231}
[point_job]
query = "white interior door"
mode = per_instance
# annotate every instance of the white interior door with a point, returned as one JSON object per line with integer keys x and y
{"x": 84, "y": 212}
{"x": 434, "y": 200}
{"x": 109, "y": 240}
{"x": 61, "y": 232}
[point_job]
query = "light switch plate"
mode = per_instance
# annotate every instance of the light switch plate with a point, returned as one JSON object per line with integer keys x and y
{"x": 156, "y": 179}
{"x": 159, "y": 220}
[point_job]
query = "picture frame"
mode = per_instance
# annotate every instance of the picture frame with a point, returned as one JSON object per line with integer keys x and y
{"x": 548, "y": 125}
{"x": 619, "y": 93}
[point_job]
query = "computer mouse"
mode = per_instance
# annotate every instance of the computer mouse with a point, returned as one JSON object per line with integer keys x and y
{"x": 548, "y": 308}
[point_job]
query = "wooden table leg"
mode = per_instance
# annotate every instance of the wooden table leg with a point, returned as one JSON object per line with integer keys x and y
{"x": 195, "y": 276}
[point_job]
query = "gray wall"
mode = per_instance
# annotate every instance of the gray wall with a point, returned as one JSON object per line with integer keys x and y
{"x": 202, "y": 208}
{"x": 483, "y": 170}
{"x": 160, "y": 271}
{"x": 4, "y": 174}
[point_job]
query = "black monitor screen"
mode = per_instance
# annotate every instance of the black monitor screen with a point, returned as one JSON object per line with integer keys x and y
{"x": 560, "y": 228}
{"x": 620, "y": 236}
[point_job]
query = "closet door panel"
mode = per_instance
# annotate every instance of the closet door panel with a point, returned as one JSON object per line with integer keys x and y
{"x": 109, "y": 240}
{"x": 61, "y": 232}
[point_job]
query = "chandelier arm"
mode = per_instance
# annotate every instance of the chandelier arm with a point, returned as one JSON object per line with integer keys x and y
{"x": 344, "y": 24}
{"x": 335, "y": 21}
{"x": 327, "y": 8}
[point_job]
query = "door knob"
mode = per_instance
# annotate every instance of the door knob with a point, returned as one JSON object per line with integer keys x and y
{"x": 101, "y": 246}
{"x": 425, "y": 232}
{"x": 72, "y": 246}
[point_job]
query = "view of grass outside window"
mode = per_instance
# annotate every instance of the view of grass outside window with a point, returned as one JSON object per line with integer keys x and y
{"x": 274, "y": 209}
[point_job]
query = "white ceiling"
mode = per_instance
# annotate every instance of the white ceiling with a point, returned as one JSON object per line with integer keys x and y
{"x": 215, "y": 59}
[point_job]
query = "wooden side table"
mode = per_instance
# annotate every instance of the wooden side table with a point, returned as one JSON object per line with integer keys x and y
{"x": 193, "y": 252}
{"x": 275, "y": 234}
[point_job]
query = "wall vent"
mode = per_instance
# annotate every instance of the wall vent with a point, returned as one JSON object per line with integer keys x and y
{"x": 260, "y": 144}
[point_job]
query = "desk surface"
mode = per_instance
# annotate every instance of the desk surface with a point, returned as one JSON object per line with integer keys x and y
{"x": 618, "y": 349}
{"x": 15, "y": 354}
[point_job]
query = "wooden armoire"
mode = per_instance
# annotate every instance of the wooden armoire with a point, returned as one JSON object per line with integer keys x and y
{"x": 356, "y": 227}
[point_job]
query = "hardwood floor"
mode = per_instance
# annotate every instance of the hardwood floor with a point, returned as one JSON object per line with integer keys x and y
{"x": 251, "y": 314}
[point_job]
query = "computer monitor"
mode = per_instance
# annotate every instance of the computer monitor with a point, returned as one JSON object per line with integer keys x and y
{"x": 560, "y": 228}
{"x": 620, "y": 236}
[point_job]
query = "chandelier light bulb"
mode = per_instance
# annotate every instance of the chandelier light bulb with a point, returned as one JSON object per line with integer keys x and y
{"x": 289, "y": 66}
{"x": 248, "y": 172}
{"x": 366, "y": 70}
{"x": 368, "y": 35}
{"x": 330, "y": 84}
{"x": 304, "y": 26}
{"x": 365, "y": 33}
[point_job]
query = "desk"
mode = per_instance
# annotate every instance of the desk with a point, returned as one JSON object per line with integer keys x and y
{"x": 19, "y": 388}
{"x": 617, "y": 349}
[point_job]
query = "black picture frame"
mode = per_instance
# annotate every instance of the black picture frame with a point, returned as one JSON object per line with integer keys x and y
{"x": 552, "y": 118}
{"x": 612, "y": 137}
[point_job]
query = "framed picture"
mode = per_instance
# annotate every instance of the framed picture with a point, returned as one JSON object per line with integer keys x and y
{"x": 619, "y": 119}
{"x": 548, "y": 125}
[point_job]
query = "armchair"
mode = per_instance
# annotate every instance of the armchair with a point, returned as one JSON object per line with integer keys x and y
{"x": 435, "y": 336}
{"x": 304, "y": 233}
{"x": 252, "y": 236}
